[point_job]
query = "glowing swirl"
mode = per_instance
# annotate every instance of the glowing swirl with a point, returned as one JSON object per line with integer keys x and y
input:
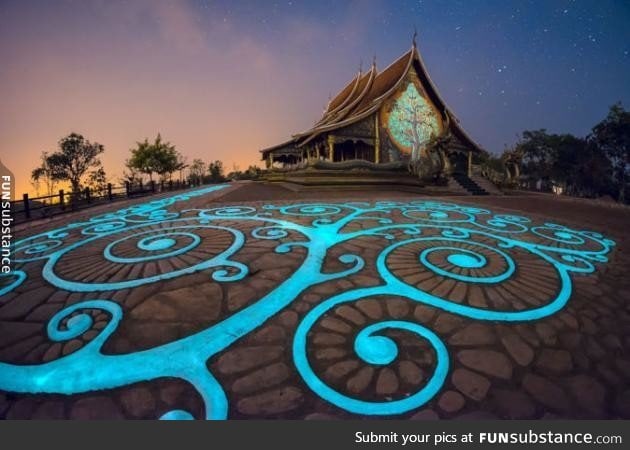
{"x": 314, "y": 209}
{"x": 19, "y": 277}
{"x": 231, "y": 211}
{"x": 464, "y": 260}
{"x": 77, "y": 325}
{"x": 270, "y": 232}
{"x": 441, "y": 215}
{"x": 373, "y": 349}
{"x": 505, "y": 224}
{"x": 104, "y": 227}
{"x": 36, "y": 250}
{"x": 559, "y": 234}
{"x": 154, "y": 243}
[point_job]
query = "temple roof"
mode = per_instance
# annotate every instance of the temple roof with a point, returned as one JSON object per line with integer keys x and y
{"x": 365, "y": 93}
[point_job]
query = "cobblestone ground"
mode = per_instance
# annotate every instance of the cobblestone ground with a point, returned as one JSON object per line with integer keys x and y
{"x": 575, "y": 363}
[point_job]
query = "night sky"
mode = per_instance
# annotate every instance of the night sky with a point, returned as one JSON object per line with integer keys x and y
{"x": 222, "y": 79}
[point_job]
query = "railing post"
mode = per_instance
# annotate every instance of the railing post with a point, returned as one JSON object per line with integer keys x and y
{"x": 170, "y": 185}
{"x": 127, "y": 189}
{"x": 27, "y": 207}
{"x": 141, "y": 185}
{"x": 62, "y": 200}
{"x": 87, "y": 194}
{"x": 109, "y": 192}
{"x": 153, "y": 186}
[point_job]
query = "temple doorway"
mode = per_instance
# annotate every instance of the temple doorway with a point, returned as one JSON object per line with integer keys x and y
{"x": 352, "y": 150}
{"x": 459, "y": 161}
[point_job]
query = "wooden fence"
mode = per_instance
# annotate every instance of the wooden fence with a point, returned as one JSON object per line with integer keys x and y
{"x": 51, "y": 205}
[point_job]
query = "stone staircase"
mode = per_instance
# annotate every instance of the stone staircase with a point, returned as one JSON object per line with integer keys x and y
{"x": 486, "y": 184}
{"x": 469, "y": 184}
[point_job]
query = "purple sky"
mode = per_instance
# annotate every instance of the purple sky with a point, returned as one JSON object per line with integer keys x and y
{"x": 222, "y": 79}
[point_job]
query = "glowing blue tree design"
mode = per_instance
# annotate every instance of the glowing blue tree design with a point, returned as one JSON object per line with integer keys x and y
{"x": 412, "y": 122}
{"x": 463, "y": 243}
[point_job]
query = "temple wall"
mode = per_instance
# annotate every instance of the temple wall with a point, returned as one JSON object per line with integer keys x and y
{"x": 362, "y": 128}
{"x": 388, "y": 151}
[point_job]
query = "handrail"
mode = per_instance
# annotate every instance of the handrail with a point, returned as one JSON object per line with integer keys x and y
{"x": 23, "y": 210}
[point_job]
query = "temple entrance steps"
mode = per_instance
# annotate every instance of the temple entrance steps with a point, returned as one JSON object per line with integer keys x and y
{"x": 458, "y": 188}
{"x": 486, "y": 184}
{"x": 471, "y": 185}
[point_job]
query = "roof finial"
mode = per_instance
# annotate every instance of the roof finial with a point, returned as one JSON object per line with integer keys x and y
{"x": 415, "y": 35}
{"x": 361, "y": 65}
{"x": 374, "y": 60}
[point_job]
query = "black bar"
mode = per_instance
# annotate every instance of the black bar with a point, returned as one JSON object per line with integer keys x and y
{"x": 319, "y": 434}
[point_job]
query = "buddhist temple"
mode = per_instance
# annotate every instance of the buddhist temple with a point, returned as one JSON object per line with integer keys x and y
{"x": 389, "y": 124}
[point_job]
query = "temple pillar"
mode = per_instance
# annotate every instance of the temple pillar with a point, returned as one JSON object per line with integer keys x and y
{"x": 331, "y": 147}
{"x": 377, "y": 140}
{"x": 469, "y": 163}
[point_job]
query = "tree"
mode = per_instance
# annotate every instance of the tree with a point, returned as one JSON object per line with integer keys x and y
{"x": 131, "y": 176}
{"x": 253, "y": 172}
{"x": 157, "y": 157}
{"x": 76, "y": 155}
{"x": 196, "y": 171}
{"x": 539, "y": 154}
{"x": 97, "y": 181}
{"x": 580, "y": 166}
{"x": 216, "y": 172}
{"x": 166, "y": 158}
{"x": 612, "y": 136}
{"x": 44, "y": 174}
{"x": 576, "y": 164}
{"x": 412, "y": 121}
{"x": 142, "y": 159}
{"x": 181, "y": 164}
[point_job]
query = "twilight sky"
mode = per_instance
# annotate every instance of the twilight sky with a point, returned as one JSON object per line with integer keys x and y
{"x": 221, "y": 79}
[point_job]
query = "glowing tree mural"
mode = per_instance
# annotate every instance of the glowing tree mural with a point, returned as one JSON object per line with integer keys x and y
{"x": 412, "y": 122}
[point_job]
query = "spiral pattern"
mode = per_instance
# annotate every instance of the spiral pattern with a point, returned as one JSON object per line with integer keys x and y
{"x": 151, "y": 252}
{"x": 376, "y": 348}
{"x": 461, "y": 259}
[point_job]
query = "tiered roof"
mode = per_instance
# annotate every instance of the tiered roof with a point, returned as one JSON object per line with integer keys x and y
{"x": 366, "y": 93}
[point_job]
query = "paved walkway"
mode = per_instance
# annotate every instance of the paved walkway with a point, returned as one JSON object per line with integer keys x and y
{"x": 251, "y": 301}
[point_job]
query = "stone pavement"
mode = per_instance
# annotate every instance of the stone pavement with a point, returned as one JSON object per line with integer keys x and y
{"x": 258, "y": 302}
